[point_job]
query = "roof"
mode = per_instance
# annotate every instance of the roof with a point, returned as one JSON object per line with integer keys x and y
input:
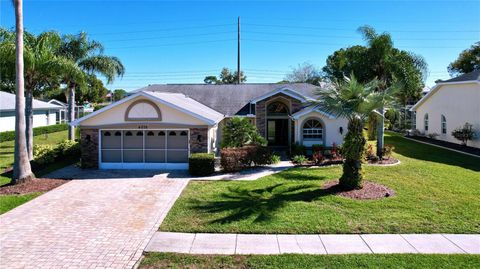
{"x": 56, "y": 102}
{"x": 7, "y": 103}
{"x": 174, "y": 100}
{"x": 229, "y": 99}
{"x": 472, "y": 76}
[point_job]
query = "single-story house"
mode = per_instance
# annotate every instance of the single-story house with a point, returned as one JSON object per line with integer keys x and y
{"x": 43, "y": 113}
{"x": 449, "y": 105}
{"x": 160, "y": 125}
{"x": 61, "y": 114}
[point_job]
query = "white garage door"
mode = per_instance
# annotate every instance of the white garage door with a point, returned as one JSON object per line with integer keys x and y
{"x": 144, "y": 149}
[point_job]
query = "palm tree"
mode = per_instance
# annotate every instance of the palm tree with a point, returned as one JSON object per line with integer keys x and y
{"x": 388, "y": 64}
{"x": 355, "y": 102}
{"x": 88, "y": 56}
{"x": 22, "y": 171}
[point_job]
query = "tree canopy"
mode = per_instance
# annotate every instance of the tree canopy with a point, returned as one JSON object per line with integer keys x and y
{"x": 467, "y": 61}
{"x": 305, "y": 72}
{"x": 226, "y": 77}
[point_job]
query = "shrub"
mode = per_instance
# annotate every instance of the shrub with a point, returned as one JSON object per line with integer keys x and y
{"x": 236, "y": 159}
{"x": 10, "y": 135}
{"x": 68, "y": 148}
{"x": 98, "y": 107}
{"x": 432, "y": 135}
{"x": 317, "y": 157}
{"x": 387, "y": 150}
{"x": 299, "y": 159}
{"x": 201, "y": 164}
{"x": 275, "y": 159}
{"x": 370, "y": 152}
{"x": 297, "y": 149}
{"x": 464, "y": 133}
{"x": 239, "y": 131}
{"x": 44, "y": 154}
{"x": 317, "y": 147}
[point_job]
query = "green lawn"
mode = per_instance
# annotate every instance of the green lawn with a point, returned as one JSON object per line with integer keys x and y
{"x": 437, "y": 191}
{"x": 7, "y": 147}
{"x": 8, "y": 202}
{"x": 168, "y": 260}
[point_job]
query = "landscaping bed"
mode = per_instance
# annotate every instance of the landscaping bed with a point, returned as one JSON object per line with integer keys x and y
{"x": 450, "y": 145}
{"x": 170, "y": 260}
{"x": 370, "y": 190}
{"x": 32, "y": 186}
{"x": 435, "y": 191}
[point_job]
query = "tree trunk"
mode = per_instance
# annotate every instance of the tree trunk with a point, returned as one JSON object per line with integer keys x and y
{"x": 353, "y": 149}
{"x": 21, "y": 169}
{"x": 380, "y": 133}
{"x": 29, "y": 122}
{"x": 71, "y": 111}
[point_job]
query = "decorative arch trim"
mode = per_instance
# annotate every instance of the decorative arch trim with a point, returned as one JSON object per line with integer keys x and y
{"x": 158, "y": 117}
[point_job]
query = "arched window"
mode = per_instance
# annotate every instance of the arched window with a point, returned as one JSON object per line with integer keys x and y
{"x": 106, "y": 134}
{"x": 183, "y": 133}
{"x": 128, "y": 133}
{"x": 117, "y": 133}
{"x": 172, "y": 133}
{"x": 425, "y": 122}
{"x": 161, "y": 133}
{"x": 139, "y": 133}
{"x": 277, "y": 109}
{"x": 312, "y": 130}
{"x": 150, "y": 133}
{"x": 444, "y": 125}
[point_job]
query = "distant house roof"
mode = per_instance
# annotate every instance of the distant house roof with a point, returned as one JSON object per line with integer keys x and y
{"x": 472, "y": 76}
{"x": 59, "y": 103}
{"x": 7, "y": 103}
{"x": 229, "y": 99}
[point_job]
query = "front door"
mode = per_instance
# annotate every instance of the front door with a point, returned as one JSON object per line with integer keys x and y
{"x": 277, "y": 132}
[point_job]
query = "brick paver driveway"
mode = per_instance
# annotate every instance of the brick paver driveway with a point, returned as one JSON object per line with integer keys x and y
{"x": 102, "y": 223}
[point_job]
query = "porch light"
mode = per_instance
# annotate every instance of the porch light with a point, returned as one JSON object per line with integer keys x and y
{"x": 199, "y": 138}
{"x": 340, "y": 130}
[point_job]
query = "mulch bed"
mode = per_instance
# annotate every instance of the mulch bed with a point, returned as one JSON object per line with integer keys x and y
{"x": 35, "y": 185}
{"x": 466, "y": 149}
{"x": 369, "y": 191}
{"x": 389, "y": 160}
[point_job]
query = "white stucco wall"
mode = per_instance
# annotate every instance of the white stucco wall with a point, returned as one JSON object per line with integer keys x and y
{"x": 459, "y": 103}
{"x": 41, "y": 119}
{"x": 331, "y": 129}
{"x": 116, "y": 115}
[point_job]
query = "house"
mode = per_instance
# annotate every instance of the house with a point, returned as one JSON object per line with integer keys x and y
{"x": 43, "y": 113}
{"x": 449, "y": 105}
{"x": 61, "y": 114}
{"x": 160, "y": 125}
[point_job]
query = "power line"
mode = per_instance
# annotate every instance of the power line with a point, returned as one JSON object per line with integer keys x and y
{"x": 164, "y": 29}
{"x": 173, "y": 44}
{"x": 171, "y": 36}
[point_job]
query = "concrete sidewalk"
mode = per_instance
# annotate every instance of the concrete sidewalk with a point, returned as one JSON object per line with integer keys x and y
{"x": 202, "y": 243}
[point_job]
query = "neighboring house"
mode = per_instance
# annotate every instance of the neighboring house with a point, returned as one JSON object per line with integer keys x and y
{"x": 449, "y": 105}
{"x": 43, "y": 113}
{"x": 160, "y": 125}
{"x": 61, "y": 114}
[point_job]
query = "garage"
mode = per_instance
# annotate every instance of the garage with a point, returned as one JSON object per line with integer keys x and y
{"x": 144, "y": 149}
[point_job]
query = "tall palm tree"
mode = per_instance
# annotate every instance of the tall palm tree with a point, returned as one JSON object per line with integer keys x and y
{"x": 87, "y": 56}
{"x": 355, "y": 102}
{"x": 389, "y": 64}
{"x": 22, "y": 171}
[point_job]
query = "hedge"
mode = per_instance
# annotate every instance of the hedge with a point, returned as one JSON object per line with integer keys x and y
{"x": 236, "y": 159}
{"x": 10, "y": 135}
{"x": 47, "y": 154}
{"x": 201, "y": 164}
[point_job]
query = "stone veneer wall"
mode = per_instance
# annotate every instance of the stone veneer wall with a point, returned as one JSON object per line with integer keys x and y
{"x": 198, "y": 146}
{"x": 89, "y": 147}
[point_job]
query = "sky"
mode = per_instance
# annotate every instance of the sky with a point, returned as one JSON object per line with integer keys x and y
{"x": 184, "y": 41}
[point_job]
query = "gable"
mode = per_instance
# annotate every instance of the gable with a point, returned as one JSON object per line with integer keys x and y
{"x": 450, "y": 94}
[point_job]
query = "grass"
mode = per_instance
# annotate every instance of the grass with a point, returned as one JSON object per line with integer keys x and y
{"x": 7, "y": 147}
{"x": 169, "y": 260}
{"x": 8, "y": 202}
{"x": 437, "y": 191}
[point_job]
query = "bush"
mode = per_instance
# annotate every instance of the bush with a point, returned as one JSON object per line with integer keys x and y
{"x": 44, "y": 154}
{"x": 98, "y": 107}
{"x": 299, "y": 159}
{"x": 10, "y": 135}
{"x": 68, "y": 148}
{"x": 464, "y": 133}
{"x": 370, "y": 152}
{"x": 201, "y": 164}
{"x": 432, "y": 135}
{"x": 297, "y": 149}
{"x": 275, "y": 159}
{"x": 239, "y": 131}
{"x": 387, "y": 150}
{"x": 236, "y": 159}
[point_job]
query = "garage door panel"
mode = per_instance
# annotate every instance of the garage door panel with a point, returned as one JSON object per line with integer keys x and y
{"x": 132, "y": 139}
{"x": 177, "y": 140}
{"x": 133, "y": 156}
{"x": 111, "y": 140}
{"x": 155, "y": 140}
{"x": 111, "y": 156}
{"x": 177, "y": 156}
{"x": 155, "y": 156}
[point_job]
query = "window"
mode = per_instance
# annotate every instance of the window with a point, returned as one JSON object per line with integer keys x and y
{"x": 128, "y": 133}
{"x": 277, "y": 109}
{"x": 444, "y": 125}
{"x": 172, "y": 133}
{"x": 150, "y": 133}
{"x": 117, "y": 133}
{"x": 106, "y": 134}
{"x": 425, "y": 122}
{"x": 312, "y": 130}
{"x": 139, "y": 133}
{"x": 161, "y": 133}
{"x": 183, "y": 133}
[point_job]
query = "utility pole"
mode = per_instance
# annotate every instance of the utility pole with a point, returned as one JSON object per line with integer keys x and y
{"x": 238, "y": 54}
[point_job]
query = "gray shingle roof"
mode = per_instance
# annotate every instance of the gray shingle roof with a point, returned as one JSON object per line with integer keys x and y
{"x": 472, "y": 76}
{"x": 229, "y": 99}
{"x": 7, "y": 103}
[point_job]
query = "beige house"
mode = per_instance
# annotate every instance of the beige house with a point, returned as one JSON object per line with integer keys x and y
{"x": 449, "y": 105}
{"x": 159, "y": 126}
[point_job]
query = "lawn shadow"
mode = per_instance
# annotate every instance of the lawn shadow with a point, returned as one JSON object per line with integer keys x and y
{"x": 429, "y": 153}
{"x": 262, "y": 203}
{"x": 296, "y": 175}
